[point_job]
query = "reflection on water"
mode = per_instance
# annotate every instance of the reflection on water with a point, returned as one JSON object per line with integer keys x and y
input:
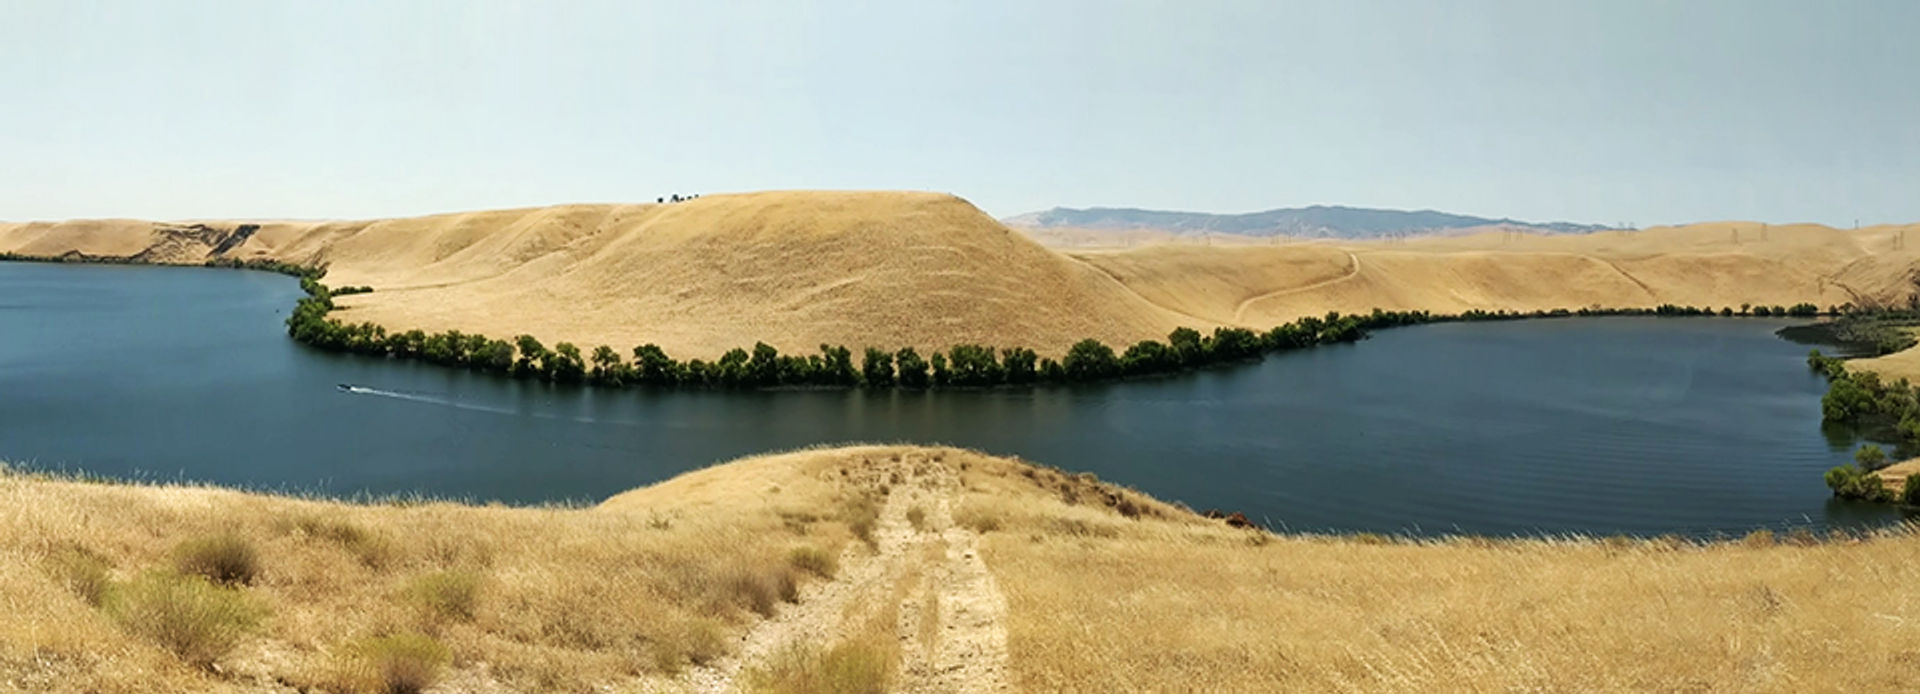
{"x": 1595, "y": 425}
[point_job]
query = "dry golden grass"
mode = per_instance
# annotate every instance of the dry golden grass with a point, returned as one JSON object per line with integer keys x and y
{"x": 1712, "y": 264}
{"x": 1104, "y": 590}
{"x": 892, "y": 269}
{"x": 547, "y": 599}
{"x": 1101, "y": 603}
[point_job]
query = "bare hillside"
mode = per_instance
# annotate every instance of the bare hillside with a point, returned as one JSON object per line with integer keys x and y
{"x": 893, "y": 269}
{"x": 894, "y": 568}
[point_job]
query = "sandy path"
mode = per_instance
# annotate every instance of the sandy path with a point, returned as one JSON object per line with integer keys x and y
{"x": 952, "y": 615}
{"x": 967, "y": 652}
{"x": 1352, "y": 272}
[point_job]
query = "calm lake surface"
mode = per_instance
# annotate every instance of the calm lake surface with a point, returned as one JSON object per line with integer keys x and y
{"x": 1613, "y": 425}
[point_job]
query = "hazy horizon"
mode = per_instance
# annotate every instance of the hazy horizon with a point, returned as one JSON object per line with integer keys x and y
{"x": 1621, "y": 112}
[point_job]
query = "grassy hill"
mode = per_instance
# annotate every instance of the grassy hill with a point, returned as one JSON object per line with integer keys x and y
{"x": 907, "y": 569}
{"x": 890, "y": 269}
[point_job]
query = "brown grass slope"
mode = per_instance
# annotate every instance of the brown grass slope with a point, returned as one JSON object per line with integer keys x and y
{"x": 1714, "y": 264}
{"x": 890, "y": 269}
{"x": 936, "y": 561}
{"x": 795, "y": 269}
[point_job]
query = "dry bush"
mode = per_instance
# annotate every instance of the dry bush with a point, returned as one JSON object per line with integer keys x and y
{"x": 195, "y": 619}
{"x": 977, "y": 519}
{"x": 813, "y": 560}
{"x": 798, "y": 522}
{"x": 452, "y": 595}
{"x": 862, "y": 515}
{"x": 226, "y": 558}
{"x": 859, "y": 666}
{"x": 917, "y": 517}
{"x": 394, "y": 664}
{"x": 760, "y": 588}
{"x": 1081, "y": 527}
{"x": 82, "y": 571}
{"x": 698, "y": 641}
{"x": 374, "y": 550}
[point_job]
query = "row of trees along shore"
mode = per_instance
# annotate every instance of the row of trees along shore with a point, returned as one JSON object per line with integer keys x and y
{"x": 960, "y": 366}
{"x": 1863, "y": 399}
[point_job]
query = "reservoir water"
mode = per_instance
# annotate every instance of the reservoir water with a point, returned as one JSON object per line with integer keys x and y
{"x": 1606, "y": 425}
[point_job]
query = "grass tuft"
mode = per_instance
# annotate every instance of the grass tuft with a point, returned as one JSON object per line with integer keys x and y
{"x": 227, "y": 559}
{"x": 760, "y": 589}
{"x": 813, "y": 560}
{"x": 195, "y": 619}
{"x": 397, "y": 664}
{"x": 697, "y": 641}
{"x": 977, "y": 519}
{"x": 82, "y": 571}
{"x": 850, "y": 667}
{"x": 452, "y": 595}
{"x": 374, "y": 550}
{"x": 862, "y": 515}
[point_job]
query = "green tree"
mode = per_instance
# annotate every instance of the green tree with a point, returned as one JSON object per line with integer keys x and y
{"x": 836, "y": 367}
{"x": 567, "y": 364}
{"x": 731, "y": 370}
{"x": 1149, "y": 357}
{"x": 653, "y": 367}
{"x": 608, "y": 367}
{"x": 912, "y": 369}
{"x": 1090, "y": 360}
{"x": 1019, "y": 364}
{"x": 1870, "y": 457}
{"x": 763, "y": 367}
{"x": 942, "y": 376}
{"x": 1910, "y": 491}
{"x": 876, "y": 368}
{"x": 1186, "y": 346}
{"x": 974, "y": 365}
{"x": 495, "y": 355}
{"x": 533, "y": 357}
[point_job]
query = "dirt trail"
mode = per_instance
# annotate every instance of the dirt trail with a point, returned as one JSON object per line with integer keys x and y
{"x": 1352, "y": 271}
{"x": 951, "y": 620}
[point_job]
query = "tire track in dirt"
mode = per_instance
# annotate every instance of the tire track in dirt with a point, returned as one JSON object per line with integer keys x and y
{"x": 951, "y": 620}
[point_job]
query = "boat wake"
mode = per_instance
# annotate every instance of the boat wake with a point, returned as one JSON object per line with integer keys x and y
{"x": 416, "y": 397}
{"x": 463, "y": 405}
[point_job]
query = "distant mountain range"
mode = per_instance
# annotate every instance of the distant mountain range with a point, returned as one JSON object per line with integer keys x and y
{"x": 1321, "y": 221}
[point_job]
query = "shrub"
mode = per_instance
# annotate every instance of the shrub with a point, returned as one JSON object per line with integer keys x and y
{"x": 1870, "y": 457}
{"x": 397, "y": 664}
{"x": 696, "y": 641}
{"x": 976, "y": 519}
{"x": 226, "y": 558}
{"x": 1852, "y": 482}
{"x": 82, "y": 571}
{"x": 876, "y": 368}
{"x": 446, "y": 594}
{"x": 1090, "y": 360}
{"x": 759, "y": 589}
{"x": 813, "y": 560}
{"x": 861, "y": 666}
{"x": 861, "y": 514}
{"x": 917, "y": 517}
{"x": 1910, "y": 492}
{"x": 198, "y": 621}
{"x": 373, "y": 550}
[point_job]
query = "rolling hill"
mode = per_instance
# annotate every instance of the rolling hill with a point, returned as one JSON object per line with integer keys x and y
{"x": 799, "y": 269}
{"x": 1318, "y": 221}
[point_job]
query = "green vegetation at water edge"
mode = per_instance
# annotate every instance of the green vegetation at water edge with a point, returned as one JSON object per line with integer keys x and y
{"x": 1862, "y": 399}
{"x": 959, "y": 366}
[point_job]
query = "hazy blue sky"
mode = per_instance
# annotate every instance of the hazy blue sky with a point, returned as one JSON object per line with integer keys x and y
{"x": 1609, "y": 111}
